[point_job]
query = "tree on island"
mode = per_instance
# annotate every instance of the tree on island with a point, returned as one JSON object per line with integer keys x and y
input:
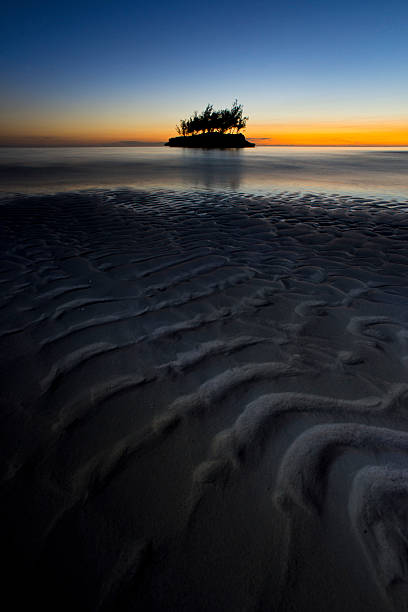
{"x": 221, "y": 121}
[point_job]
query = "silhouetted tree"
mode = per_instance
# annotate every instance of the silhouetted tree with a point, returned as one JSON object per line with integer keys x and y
{"x": 238, "y": 121}
{"x": 210, "y": 120}
{"x": 205, "y": 118}
{"x": 182, "y": 128}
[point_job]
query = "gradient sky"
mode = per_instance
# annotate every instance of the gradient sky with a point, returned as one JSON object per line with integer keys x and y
{"x": 102, "y": 72}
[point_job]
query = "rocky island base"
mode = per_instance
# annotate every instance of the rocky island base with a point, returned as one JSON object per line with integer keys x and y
{"x": 211, "y": 141}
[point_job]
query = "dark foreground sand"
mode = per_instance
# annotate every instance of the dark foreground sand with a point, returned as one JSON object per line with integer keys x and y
{"x": 204, "y": 403}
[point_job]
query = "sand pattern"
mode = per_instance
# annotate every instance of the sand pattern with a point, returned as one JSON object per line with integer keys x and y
{"x": 204, "y": 401}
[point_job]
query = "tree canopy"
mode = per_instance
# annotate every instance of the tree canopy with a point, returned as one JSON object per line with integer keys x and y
{"x": 210, "y": 120}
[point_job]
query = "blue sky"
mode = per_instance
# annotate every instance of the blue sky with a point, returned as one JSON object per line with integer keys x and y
{"x": 148, "y": 64}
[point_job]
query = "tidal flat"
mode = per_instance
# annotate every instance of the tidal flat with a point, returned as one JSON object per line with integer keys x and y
{"x": 204, "y": 383}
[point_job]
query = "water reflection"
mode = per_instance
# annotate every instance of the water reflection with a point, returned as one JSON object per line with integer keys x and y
{"x": 376, "y": 171}
{"x": 212, "y": 169}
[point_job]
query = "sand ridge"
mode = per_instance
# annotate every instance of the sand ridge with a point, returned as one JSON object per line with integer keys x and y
{"x": 204, "y": 400}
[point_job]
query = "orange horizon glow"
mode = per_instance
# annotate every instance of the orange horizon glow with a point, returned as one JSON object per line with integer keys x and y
{"x": 333, "y": 133}
{"x": 294, "y": 133}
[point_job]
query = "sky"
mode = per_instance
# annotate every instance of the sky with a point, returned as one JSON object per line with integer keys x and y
{"x": 107, "y": 72}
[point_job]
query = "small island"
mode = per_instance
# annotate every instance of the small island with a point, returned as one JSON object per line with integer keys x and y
{"x": 213, "y": 129}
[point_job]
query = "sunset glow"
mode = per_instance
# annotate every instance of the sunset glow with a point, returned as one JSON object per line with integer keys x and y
{"x": 335, "y": 133}
{"x": 99, "y": 132}
{"x": 306, "y": 73}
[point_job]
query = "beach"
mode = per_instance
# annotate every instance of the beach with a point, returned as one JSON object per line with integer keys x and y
{"x": 204, "y": 400}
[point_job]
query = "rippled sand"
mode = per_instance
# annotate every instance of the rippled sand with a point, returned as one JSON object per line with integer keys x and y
{"x": 204, "y": 402}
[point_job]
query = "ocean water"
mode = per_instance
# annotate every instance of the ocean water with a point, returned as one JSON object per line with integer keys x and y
{"x": 366, "y": 172}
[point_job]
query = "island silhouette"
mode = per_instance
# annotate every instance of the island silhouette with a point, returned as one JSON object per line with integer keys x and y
{"x": 213, "y": 129}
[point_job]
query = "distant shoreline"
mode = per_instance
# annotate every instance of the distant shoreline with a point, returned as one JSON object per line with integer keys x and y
{"x": 160, "y": 144}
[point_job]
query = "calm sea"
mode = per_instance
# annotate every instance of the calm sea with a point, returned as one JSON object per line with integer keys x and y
{"x": 369, "y": 172}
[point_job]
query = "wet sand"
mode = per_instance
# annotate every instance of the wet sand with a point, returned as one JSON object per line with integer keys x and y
{"x": 204, "y": 401}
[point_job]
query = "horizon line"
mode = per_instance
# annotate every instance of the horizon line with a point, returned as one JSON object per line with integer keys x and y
{"x": 120, "y": 145}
